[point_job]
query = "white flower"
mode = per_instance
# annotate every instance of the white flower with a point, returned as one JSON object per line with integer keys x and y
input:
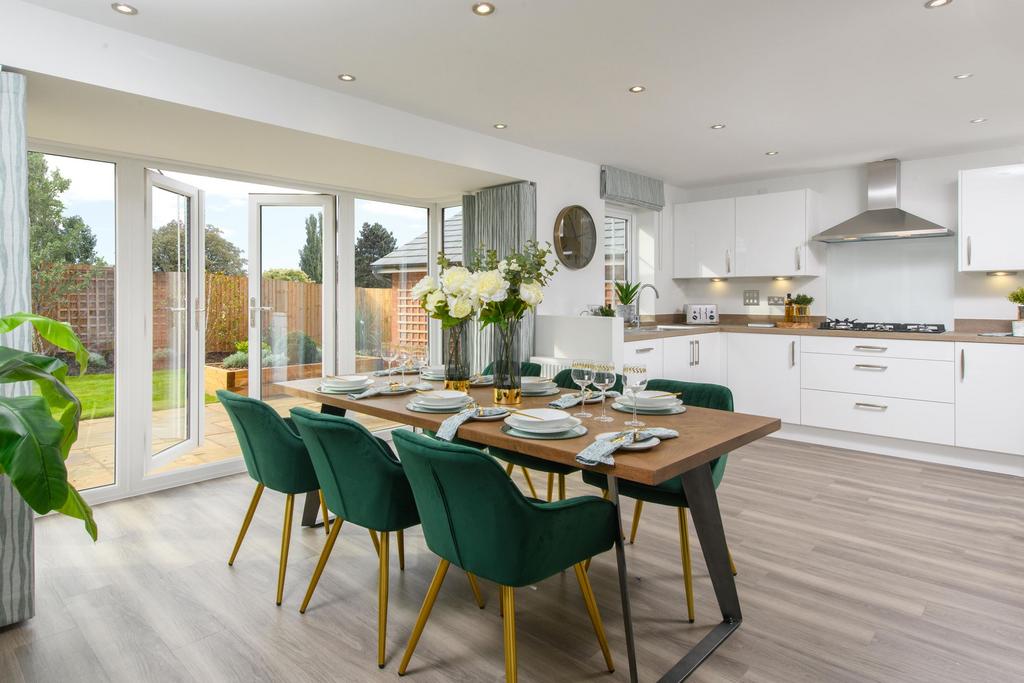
{"x": 502, "y": 265}
{"x": 454, "y": 280}
{"x": 459, "y": 307}
{"x": 531, "y": 293}
{"x": 433, "y": 300}
{"x": 490, "y": 286}
{"x": 423, "y": 287}
{"x": 514, "y": 265}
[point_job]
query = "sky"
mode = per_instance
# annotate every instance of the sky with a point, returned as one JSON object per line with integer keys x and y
{"x": 91, "y": 196}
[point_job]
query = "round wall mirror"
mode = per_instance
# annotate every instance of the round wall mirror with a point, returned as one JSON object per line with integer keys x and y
{"x": 575, "y": 237}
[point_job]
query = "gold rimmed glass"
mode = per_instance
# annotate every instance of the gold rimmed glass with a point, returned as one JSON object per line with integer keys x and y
{"x": 634, "y": 380}
{"x": 604, "y": 379}
{"x": 583, "y": 375}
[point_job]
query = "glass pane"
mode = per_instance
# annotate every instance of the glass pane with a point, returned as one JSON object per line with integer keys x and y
{"x": 170, "y": 419}
{"x": 451, "y": 234}
{"x": 72, "y": 237}
{"x": 615, "y": 254}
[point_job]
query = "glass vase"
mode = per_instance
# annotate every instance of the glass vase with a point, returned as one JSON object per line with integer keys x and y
{"x": 508, "y": 379}
{"x": 456, "y": 356}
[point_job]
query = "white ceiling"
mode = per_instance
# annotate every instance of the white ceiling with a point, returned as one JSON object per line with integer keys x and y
{"x": 827, "y": 83}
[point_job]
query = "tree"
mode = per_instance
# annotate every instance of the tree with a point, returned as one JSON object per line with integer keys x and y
{"x": 289, "y": 274}
{"x": 311, "y": 256}
{"x": 170, "y": 251}
{"x": 374, "y": 242}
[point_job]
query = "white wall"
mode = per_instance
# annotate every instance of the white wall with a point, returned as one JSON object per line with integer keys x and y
{"x": 115, "y": 59}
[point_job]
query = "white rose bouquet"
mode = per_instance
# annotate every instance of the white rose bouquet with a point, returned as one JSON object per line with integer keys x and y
{"x": 449, "y": 299}
{"x": 507, "y": 288}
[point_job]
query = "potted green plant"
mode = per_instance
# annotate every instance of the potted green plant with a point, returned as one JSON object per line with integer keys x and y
{"x": 37, "y": 431}
{"x": 1017, "y": 297}
{"x": 626, "y": 292}
{"x": 802, "y": 307}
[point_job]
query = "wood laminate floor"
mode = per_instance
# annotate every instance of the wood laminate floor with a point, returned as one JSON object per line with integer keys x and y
{"x": 852, "y": 567}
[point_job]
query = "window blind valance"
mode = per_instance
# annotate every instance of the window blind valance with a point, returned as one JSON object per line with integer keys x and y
{"x": 626, "y": 187}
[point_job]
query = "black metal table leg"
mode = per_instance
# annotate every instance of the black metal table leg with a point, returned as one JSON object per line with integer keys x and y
{"x": 620, "y": 560}
{"x": 311, "y": 510}
{"x": 707, "y": 520}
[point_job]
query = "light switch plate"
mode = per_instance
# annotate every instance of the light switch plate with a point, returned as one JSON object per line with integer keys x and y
{"x": 751, "y": 297}
{"x": 776, "y": 301}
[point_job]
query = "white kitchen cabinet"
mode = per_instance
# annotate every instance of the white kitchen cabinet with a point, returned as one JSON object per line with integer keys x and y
{"x": 693, "y": 358}
{"x": 989, "y": 398}
{"x": 897, "y": 418}
{"x": 991, "y": 218}
{"x": 773, "y": 234}
{"x": 647, "y": 353}
{"x": 764, "y": 374}
{"x": 704, "y": 238}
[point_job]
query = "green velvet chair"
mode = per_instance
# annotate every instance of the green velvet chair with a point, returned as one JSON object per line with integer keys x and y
{"x": 474, "y": 517}
{"x": 564, "y": 381}
{"x": 526, "y": 369}
{"x": 276, "y": 458}
{"x": 671, "y": 492}
{"x": 364, "y": 484}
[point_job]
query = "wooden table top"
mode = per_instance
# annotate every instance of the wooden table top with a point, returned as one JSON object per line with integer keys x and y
{"x": 704, "y": 434}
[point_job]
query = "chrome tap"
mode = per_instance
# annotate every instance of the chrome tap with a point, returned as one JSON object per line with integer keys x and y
{"x": 638, "y": 293}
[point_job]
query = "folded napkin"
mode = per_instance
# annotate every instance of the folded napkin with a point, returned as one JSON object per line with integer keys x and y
{"x": 600, "y": 452}
{"x": 446, "y": 432}
{"x": 374, "y": 390}
{"x": 570, "y": 400}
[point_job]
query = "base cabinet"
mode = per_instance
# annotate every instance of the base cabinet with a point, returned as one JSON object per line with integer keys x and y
{"x": 694, "y": 358}
{"x": 764, "y": 374}
{"x": 990, "y": 397}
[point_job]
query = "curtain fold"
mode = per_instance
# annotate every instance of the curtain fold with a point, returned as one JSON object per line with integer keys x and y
{"x": 503, "y": 218}
{"x": 632, "y": 189}
{"x": 17, "y": 573}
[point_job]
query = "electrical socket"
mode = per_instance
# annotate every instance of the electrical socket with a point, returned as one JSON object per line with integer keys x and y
{"x": 751, "y": 297}
{"x": 776, "y": 301}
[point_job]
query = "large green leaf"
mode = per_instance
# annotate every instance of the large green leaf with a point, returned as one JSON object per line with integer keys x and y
{"x": 30, "y": 452}
{"x": 57, "y": 333}
{"x": 75, "y": 506}
{"x": 48, "y": 374}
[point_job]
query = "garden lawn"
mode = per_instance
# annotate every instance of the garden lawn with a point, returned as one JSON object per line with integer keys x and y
{"x": 96, "y": 392}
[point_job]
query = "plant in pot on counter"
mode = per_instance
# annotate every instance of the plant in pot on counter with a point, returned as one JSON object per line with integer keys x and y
{"x": 1017, "y": 297}
{"x": 626, "y": 292}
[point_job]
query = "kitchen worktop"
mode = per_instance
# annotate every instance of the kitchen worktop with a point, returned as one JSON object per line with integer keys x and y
{"x": 951, "y": 336}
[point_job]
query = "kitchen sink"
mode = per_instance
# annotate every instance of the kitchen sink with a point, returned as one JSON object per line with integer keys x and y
{"x": 647, "y": 329}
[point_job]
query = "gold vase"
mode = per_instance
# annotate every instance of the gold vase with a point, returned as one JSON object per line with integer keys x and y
{"x": 508, "y": 397}
{"x": 457, "y": 384}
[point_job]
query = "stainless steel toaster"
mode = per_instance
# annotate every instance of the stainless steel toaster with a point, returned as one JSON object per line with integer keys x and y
{"x": 701, "y": 314}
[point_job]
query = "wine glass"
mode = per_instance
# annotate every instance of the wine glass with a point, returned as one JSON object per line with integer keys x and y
{"x": 604, "y": 379}
{"x": 582, "y": 375}
{"x": 389, "y": 352}
{"x": 634, "y": 379}
{"x": 403, "y": 361}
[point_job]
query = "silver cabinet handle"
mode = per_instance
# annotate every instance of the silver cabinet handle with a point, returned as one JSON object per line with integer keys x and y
{"x": 646, "y": 349}
{"x": 798, "y": 264}
{"x": 968, "y": 250}
{"x": 963, "y": 364}
{"x": 792, "y": 354}
{"x": 697, "y": 343}
{"x": 871, "y": 406}
{"x": 867, "y": 366}
{"x": 728, "y": 262}
{"x": 691, "y": 353}
{"x": 863, "y": 347}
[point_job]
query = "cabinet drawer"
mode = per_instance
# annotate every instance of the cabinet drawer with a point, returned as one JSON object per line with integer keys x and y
{"x": 879, "y": 347}
{"x": 648, "y": 352}
{"x": 925, "y": 380}
{"x": 893, "y": 417}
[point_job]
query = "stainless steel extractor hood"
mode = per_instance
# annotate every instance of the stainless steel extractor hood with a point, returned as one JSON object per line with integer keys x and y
{"x": 884, "y": 219}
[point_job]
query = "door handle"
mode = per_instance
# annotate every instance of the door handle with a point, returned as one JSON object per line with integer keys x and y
{"x": 968, "y": 250}
{"x": 254, "y": 310}
{"x": 647, "y": 349}
{"x": 871, "y": 406}
{"x": 697, "y": 344}
{"x": 798, "y": 264}
{"x": 866, "y": 366}
{"x": 691, "y": 353}
{"x": 728, "y": 262}
{"x": 792, "y": 354}
{"x": 863, "y": 347}
{"x": 963, "y": 364}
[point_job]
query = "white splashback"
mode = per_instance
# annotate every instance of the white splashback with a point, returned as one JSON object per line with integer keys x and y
{"x": 893, "y": 280}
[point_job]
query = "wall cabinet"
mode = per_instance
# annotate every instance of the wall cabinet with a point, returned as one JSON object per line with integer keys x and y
{"x": 764, "y": 374}
{"x": 989, "y": 398}
{"x": 694, "y": 358}
{"x": 704, "y": 238}
{"x": 991, "y": 218}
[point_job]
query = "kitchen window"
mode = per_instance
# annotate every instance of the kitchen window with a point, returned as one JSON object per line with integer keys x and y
{"x": 617, "y": 235}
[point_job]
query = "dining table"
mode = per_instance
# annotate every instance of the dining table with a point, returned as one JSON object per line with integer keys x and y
{"x": 704, "y": 435}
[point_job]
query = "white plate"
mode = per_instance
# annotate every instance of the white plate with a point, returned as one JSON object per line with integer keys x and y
{"x": 482, "y": 381}
{"x": 638, "y": 446}
{"x": 536, "y": 381}
{"x": 331, "y": 390}
{"x": 557, "y": 421}
{"x": 654, "y": 406}
{"x": 440, "y": 398}
{"x": 575, "y": 432}
{"x": 434, "y": 369}
{"x": 490, "y": 418}
{"x": 432, "y": 378}
{"x": 673, "y": 410}
{"x": 546, "y": 392}
{"x": 653, "y": 399}
{"x": 427, "y": 409}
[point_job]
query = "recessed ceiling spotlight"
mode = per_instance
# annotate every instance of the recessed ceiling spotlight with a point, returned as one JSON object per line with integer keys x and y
{"x": 717, "y": 126}
{"x": 980, "y": 120}
{"x": 637, "y": 89}
{"x": 348, "y": 78}
{"x": 122, "y": 8}
{"x": 771, "y": 154}
{"x": 962, "y": 76}
{"x": 501, "y": 126}
{"x": 484, "y": 9}
{"x": 932, "y": 4}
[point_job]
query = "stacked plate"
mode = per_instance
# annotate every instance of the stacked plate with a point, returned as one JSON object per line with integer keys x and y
{"x": 439, "y": 401}
{"x": 543, "y": 423}
{"x": 344, "y": 384}
{"x": 538, "y": 386}
{"x": 651, "y": 403}
{"x": 432, "y": 372}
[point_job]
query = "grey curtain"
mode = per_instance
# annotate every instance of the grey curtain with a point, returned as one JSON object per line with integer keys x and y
{"x": 17, "y": 575}
{"x": 632, "y": 189}
{"x": 502, "y": 218}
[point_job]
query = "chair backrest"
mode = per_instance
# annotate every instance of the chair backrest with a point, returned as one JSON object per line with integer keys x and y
{"x": 361, "y": 479}
{"x": 702, "y": 395}
{"x": 472, "y": 513}
{"x": 273, "y": 451}
{"x": 564, "y": 381}
{"x": 526, "y": 369}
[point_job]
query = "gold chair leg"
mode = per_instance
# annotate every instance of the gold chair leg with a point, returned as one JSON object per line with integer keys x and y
{"x": 595, "y": 616}
{"x": 732, "y": 565}
{"x": 551, "y": 485}
{"x": 382, "y": 599}
{"x": 636, "y": 521}
{"x": 401, "y": 549}
{"x": 509, "y": 468}
{"x": 421, "y": 620}
{"x": 245, "y": 522}
{"x": 376, "y": 543}
{"x": 529, "y": 481}
{"x": 684, "y": 547}
{"x": 561, "y": 487}
{"x": 286, "y": 538}
{"x": 477, "y": 595}
{"x": 324, "y": 554}
{"x": 508, "y": 604}
{"x": 323, "y": 511}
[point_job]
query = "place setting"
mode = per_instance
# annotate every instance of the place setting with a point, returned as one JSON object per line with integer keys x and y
{"x": 344, "y": 384}
{"x": 544, "y": 424}
{"x": 439, "y": 401}
{"x": 538, "y": 386}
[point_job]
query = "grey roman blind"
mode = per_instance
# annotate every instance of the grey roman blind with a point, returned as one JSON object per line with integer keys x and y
{"x": 633, "y": 189}
{"x": 502, "y": 218}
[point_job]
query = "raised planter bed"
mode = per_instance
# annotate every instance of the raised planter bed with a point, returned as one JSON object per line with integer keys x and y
{"x": 237, "y": 380}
